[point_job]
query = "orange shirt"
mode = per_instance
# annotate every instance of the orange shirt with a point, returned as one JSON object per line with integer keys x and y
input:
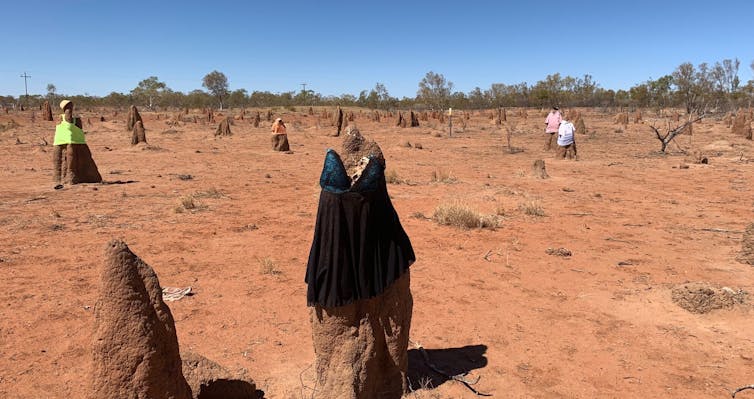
{"x": 278, "y": 128}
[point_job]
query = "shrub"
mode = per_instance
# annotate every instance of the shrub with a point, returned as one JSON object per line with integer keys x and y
{"x": 460, "y": 215}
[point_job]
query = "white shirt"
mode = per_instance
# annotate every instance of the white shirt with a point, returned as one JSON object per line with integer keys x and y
{"x": 565, "y": 133}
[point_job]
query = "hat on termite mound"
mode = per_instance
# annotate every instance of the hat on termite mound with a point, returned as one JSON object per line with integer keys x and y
{"x": 135, "y": 348}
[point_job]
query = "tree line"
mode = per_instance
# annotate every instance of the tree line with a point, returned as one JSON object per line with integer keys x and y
{"x": 693, "y": 88}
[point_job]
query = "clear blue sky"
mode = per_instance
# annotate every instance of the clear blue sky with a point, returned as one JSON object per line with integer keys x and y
{"x": 99, "y": 46}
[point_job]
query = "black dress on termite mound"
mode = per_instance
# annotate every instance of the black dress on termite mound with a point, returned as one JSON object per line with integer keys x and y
{"x": 359, "y": 247}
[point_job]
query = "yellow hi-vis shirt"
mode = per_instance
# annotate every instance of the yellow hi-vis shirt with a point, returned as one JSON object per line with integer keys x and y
{"x": 68, "y": 133}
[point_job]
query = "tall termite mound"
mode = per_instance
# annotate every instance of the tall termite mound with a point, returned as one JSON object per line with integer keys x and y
{"x": 138, "y": 135}
{"x": 414, "y": 119}
{"x": 361, "y": 347}
{"x": 338, "y": 122}
{"x": 135, "y": 348}
{"x": 133, "y": 117}
{"x": 46, "y": 111}
{"x": 401, "y": 120}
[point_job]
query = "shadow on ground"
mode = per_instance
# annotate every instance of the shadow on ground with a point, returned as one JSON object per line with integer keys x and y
{"x": 451, "y": 361}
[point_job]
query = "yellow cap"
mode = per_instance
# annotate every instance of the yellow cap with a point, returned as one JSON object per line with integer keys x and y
{"x": 64, "y": 103}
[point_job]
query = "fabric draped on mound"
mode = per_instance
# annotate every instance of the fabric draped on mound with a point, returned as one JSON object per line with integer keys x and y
{"x": 359, "y": 247}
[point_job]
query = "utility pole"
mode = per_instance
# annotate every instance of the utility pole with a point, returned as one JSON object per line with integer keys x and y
{"x": 26, "y": 89}
{"x": 303, "y": 85}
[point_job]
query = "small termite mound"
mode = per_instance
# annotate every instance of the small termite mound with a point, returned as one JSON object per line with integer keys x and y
{"x": 138, "y": 134}
{"x": 538, "y": 169}
{"x": 223, "y": 129}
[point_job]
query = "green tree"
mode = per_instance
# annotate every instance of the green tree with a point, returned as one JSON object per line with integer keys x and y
{"x": 434, "y": 90}
{"x": 148, "y": 91}
{"x": 217, "y": 84}
{"x": 238, "y": 98}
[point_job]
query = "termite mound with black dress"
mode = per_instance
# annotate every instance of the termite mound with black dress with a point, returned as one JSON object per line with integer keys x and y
{"x": 358, "y": 279}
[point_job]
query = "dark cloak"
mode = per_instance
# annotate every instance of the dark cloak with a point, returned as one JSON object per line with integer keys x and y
{"x": 359, "y": 247}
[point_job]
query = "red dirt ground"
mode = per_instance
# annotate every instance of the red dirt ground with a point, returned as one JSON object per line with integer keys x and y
{"x": 598, "y": 324}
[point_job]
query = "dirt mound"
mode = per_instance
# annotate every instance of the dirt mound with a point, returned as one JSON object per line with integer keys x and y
{"x": 135, "y": 348}
{"x": 361, "y": 348}
{"x": 209, "y": 380}
{"x": 46, "y": 111}
{"x": 538, "y": 169}
{"x": 621, "y": 118}
{"x": 414, "y": 119}
{"x": 280, "y": 142}
{"x": 76, "y": 164}
{"x": 223, "y": 129}
{"x": 138, "y": 135}
{"x": 338, "y": 121}
{"x": 133, "y": 117}
{"x": 704, "y": 298}
{"x": 580, "y": 126}
{"x": 747, "y": 246}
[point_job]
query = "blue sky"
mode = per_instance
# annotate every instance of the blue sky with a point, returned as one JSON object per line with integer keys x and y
{"x": 336, "y": 47}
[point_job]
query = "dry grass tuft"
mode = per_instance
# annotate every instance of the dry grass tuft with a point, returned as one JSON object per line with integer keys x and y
{"x": 211, "y": 192}
{"x": 460, "y": 215}
{"x": 189, "y": 203}
{"x": 440, "y": 175}
{"x": 391, "y": 177}
{"x": 268, "y": 266}
{"x": 532, "y": 207}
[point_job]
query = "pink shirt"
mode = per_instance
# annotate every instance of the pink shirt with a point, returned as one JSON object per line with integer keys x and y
{"x": 553, "y": 122}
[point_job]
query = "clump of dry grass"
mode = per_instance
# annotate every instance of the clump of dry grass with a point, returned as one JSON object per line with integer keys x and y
{"x": 391, "y": 177}
{"x": 460, "y": 215}
{"x": 211, "y": 192}
{"x": 440, "y": 175}
{"x": 189, "y": 203}
{"x": 268, "y": 266}
{"x": 532, "y": 207}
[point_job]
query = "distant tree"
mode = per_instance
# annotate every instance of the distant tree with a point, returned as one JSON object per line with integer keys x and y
{"x": 238, "y": 98}
{"x": 478, "y": 99}
{"x": 148, "y": 91}
{"x": 683, "y": 80}
{"x": 434, "y": 90}
{"x": 115, "y": 99}
{"x": 217, "y": 84}
{"x": 51, "y": 89}
{"x": 198, "y": 99}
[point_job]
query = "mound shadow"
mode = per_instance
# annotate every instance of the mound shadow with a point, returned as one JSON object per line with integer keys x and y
{"x": 451, "y": 361}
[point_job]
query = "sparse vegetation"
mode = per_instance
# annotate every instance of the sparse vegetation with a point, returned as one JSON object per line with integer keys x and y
{"x": 391, "y": 177}
{"x": 268, "y": 266}
{"x": 460, "y": 215}
{"x": 532, "y": 207}
{"x": 440, "y": 175}
{"x": 211, "y": 192}
{"x": 189, "y": 203}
